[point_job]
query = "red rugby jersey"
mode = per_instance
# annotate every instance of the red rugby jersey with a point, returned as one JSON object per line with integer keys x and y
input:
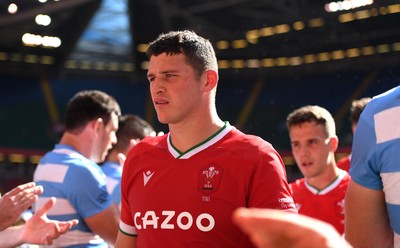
{"x": 344, "y": 163}
{"x": 173, "y": 199}
{"x": 327, "y": 204}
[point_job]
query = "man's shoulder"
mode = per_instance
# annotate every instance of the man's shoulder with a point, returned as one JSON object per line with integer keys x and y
{"x": 148, "y": 144}
{"x": 249, "y": 140}
{"x": 150, "y": 141}
{"x": 344, "y": 163}
{"x": 297, "y": 185}
{"x": 111, "y": 168}
{"x": 71, "y": 165}
{"x": 382, "y": 102}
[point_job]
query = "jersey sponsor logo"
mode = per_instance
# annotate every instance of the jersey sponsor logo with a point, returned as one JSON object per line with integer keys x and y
{"x": 146, "y": 177}
{"x": 210, "y": 178}
{"x": 172, "y": 220}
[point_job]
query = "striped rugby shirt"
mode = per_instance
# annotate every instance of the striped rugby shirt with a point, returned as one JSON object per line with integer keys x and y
{"x": 80, "y": 188}
{"x": 375, "y": 161}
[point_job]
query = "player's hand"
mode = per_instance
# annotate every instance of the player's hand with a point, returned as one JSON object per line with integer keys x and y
{"x": 269, "y": 228}
{"x": 16, "y": 201}
{"x": 41, "y": 230}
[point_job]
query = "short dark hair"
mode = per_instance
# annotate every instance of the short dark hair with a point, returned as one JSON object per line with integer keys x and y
{"x": 199, "y": 53}
{"x": 131, "y": 127}
{"x": 357, "y": 106}
{"x": 312, "y": 113}
{"x": 88, "y": 105}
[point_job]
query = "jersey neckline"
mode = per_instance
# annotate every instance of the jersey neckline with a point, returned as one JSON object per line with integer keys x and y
{"x": 201, "y": 146}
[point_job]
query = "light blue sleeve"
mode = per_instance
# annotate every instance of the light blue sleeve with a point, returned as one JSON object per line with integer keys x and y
{"x": 364, "y": 166}
{"x": 88, "y": 191}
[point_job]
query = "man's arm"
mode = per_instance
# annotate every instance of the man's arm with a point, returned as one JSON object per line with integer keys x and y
{"x": 367, "y": 221}
{"x": 37, "y": 230}
{"x": 105, "y": 224}
{"x": 124, "y": 240}
{"x": 270, "y": 228}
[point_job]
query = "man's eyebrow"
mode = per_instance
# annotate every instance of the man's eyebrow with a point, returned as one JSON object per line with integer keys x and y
{"x": 163, "y": 72}
{"x": 169, "y": 71}
{"x": 151, "y": 74}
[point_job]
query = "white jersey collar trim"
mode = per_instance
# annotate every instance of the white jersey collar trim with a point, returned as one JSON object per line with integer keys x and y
{"x": 199, "y": 147}
{"x": 329, "y": 188}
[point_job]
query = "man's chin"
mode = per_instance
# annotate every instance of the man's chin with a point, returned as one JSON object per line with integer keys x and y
{"x": 163, "y": 120}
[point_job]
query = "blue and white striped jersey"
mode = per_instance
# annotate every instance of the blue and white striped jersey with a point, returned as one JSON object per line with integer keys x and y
{"x": 80, "y": 188}
{"x": 375, "y": 161}
{"x": 113, "y": 173}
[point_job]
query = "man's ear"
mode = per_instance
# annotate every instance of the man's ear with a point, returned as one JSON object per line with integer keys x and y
{"x": 97, "y": 124}
{"x": 212, "y": 80}
{"x": 334, "y": 143}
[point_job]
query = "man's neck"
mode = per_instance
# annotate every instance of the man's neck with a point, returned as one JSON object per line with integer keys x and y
{"x": 75, "y": 141}
{"x": 185, "y": 136}
{"x": 320, "y": 182}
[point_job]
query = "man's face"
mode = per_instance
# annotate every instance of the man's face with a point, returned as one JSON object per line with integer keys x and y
{"x": 175, "y": 89}
{"x": 107, "y": 138}
{"x": 311, "y": 148}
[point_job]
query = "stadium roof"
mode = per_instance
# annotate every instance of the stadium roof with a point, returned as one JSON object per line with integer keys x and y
{"x": 279, "y": 38}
